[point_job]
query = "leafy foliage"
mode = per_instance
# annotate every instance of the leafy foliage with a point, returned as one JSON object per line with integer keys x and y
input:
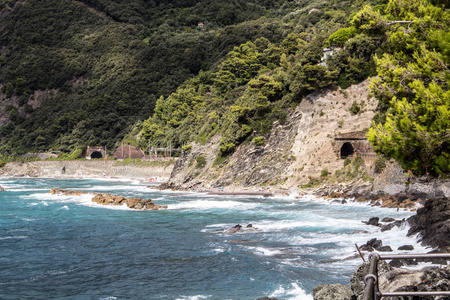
{"x": 412, "y": 87}
{"x": 89, "y": 72}
{"x": 104, "y": 63}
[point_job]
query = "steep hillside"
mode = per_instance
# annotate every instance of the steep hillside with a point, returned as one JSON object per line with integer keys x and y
{"x": 294, "y": 152}
{"x": 106, "y": 62}
{"x": 250, "y": 103}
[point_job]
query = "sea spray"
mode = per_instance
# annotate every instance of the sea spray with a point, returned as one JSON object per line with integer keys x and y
{"x": 56, "y": 246}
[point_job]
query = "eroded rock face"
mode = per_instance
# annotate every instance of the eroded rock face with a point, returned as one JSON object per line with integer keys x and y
{"x": 427, "y": 279}
{"x": 332, "y": 292}
{"x": 108, "y": 199}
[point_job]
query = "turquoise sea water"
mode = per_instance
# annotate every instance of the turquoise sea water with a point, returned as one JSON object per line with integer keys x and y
{"x": 66, "y": 247}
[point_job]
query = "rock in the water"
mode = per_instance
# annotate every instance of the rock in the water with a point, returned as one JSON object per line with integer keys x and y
{"x": 66, "y": 192}
{"x": 239, "y": 228}
{"x": 388, "y": 220}
{"x": 371, "y": 245}
{"x": 135, "y": 203}
{"x": 372, "y": 221}
{"x": 108, "y": 199}
{"x": 234, "y": 229}
{"x": 332, "y": 292}
{"x": 2, "y": 189}
{"x": 384, "y": 249}
{"x": 406, "y": 247}
{"x": 389, "y": 226}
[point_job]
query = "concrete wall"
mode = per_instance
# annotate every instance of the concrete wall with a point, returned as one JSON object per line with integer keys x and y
{"x": 83, "y": 168}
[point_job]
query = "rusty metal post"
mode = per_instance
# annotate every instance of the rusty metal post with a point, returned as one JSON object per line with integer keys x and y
{"x": 371, "y": 279}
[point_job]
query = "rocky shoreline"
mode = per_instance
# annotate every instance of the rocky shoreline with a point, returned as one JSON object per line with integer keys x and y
{"x": 432, "y": 278}
{"x": 108, "y": 199}
{"x": 427, "y": 196}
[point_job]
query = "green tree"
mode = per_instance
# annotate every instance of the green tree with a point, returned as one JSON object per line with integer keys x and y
{"x": 413, "y": 84}
{"x": 342, "y": 35}
{"x": 9, "y": 90}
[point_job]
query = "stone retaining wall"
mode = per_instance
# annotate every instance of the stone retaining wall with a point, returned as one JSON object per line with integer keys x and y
{"x": 83, "y": 168}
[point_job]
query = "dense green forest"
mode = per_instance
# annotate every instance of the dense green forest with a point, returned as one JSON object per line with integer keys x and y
{"x": 107, "y": 62}
{"x": 153, "y": 72}
{"x": 404, "y": 42}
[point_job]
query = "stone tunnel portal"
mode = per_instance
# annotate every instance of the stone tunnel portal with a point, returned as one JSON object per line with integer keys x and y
{"x": 347, "y": 150}
{"x": 96, "y": 154}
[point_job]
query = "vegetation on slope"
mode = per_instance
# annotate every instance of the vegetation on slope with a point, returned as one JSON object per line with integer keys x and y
{"x": 257, "y": 84}
{"x": 404, "y": 42}
{"x": 107, "y": 65}
{"x": 105, "y": 62}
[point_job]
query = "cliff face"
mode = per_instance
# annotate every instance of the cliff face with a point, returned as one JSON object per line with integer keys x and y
{"x": 292, "y": 153}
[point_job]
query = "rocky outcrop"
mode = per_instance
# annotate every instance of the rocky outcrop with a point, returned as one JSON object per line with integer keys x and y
{"x": 332, "y": 292}
{"x": 240, "y": 228}
{"x": 108, "y": 199}
{"x": 357, "y": 279}
{"x": 390, "y": 279}
{"x": 298, "y": 147}
{"x": 401, "y": 200}
{"x": 432, "y": 223}
{"x": 135, "y": 203}
{"x": 66, "y": 192}
{"x": 403, "y": 280}
{"x": 2, "y": 189}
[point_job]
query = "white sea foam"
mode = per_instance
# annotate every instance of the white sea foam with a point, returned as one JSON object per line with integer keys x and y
{"x": 265, "y": 251}
{"x": 132, "y": 188}
{"x": 294, "y": 292}
{"x": 13, "y": 237}
{"x": 197, "y": 297}
{"x": 311, "y": 221}
{"x": 213, "y": 204}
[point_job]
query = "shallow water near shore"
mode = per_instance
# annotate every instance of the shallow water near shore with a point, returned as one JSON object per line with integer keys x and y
{"x": 66, "y": 247}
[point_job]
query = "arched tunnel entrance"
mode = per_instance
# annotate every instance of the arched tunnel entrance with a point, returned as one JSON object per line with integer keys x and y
{"x": 346, "y": 150}
{"x": 96, "y": 154}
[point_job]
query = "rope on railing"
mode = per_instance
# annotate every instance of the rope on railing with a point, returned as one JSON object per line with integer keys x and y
{"x": 372, "y": 292}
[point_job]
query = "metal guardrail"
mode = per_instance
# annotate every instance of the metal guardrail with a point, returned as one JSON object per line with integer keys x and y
{"x": 372, "y": 292}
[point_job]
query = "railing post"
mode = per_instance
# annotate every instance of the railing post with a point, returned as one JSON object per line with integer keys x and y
{"x": 371, "y": 279}
{"x": 371, "y": 290}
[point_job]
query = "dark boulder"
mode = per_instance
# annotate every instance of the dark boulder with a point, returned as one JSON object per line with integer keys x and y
{"x": 384, "y": 249}
{"x": 388, "y": 220}
{"x": 389, "y": 226}
{"x": 406, "y": 247}
{"x": 397, "y": 263}
{"x": 432, "y": 223}
{"x": 375, "y": 221}
{"x": 371, "y": 245}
